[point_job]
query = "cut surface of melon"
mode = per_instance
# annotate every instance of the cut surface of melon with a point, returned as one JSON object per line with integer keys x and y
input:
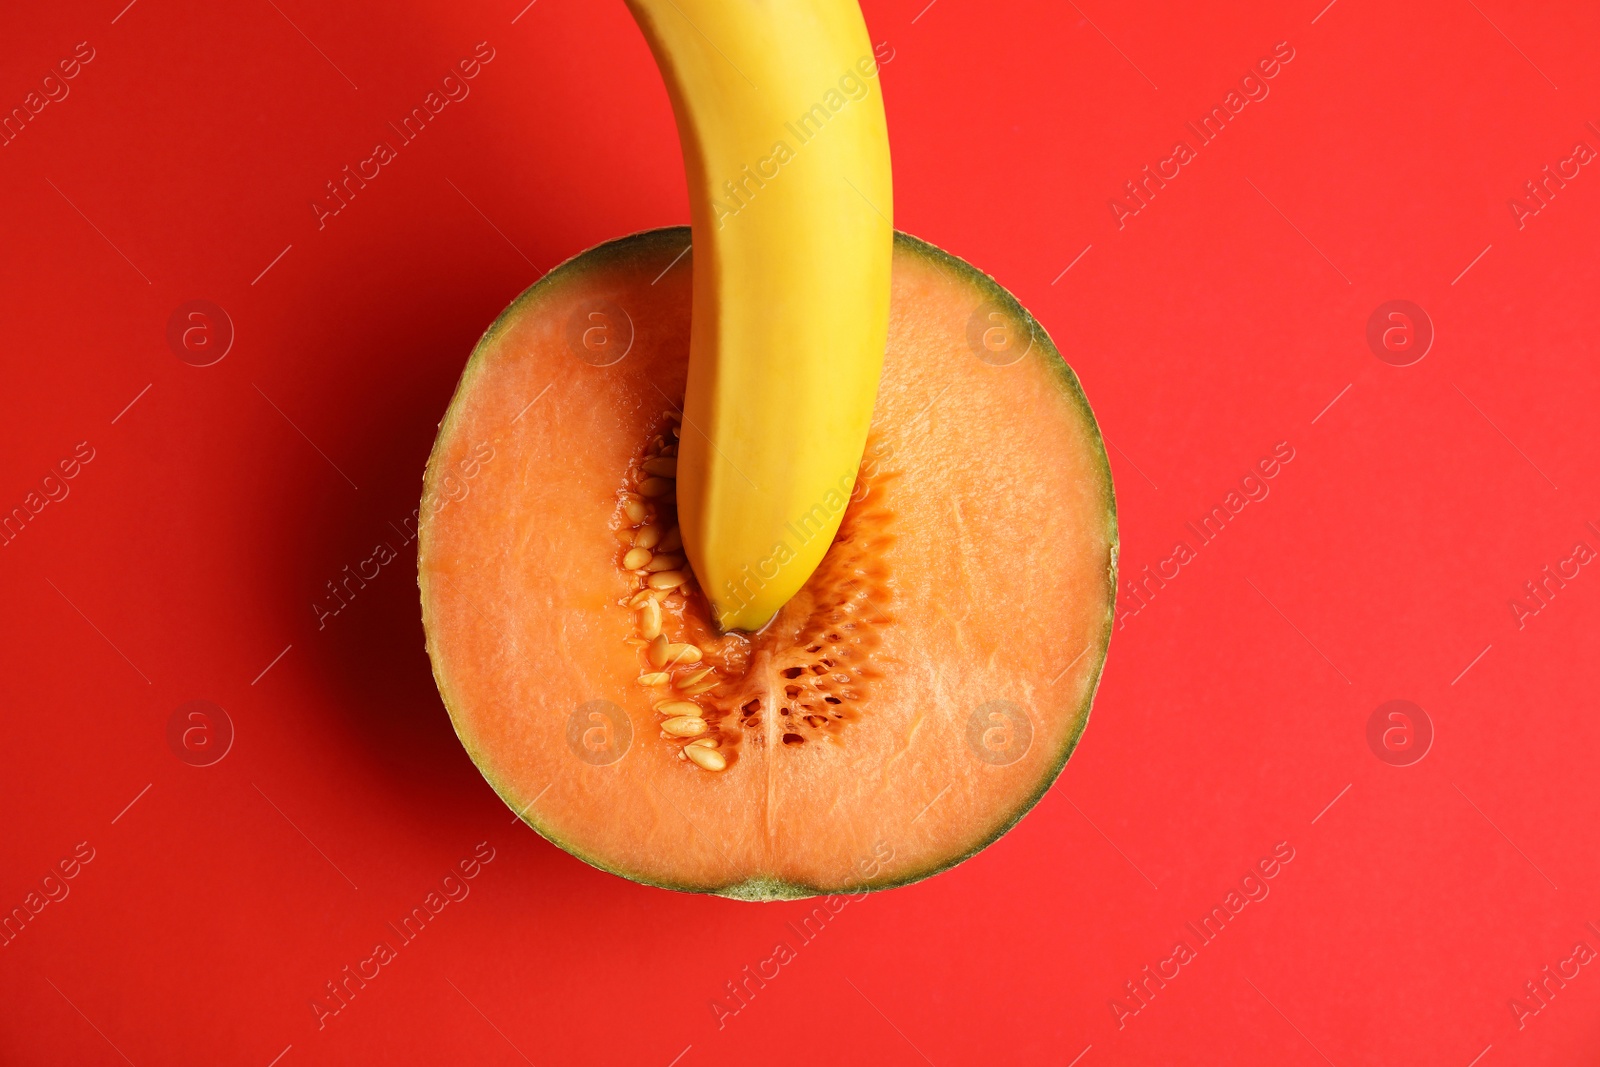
{"x": 902, "y": 711}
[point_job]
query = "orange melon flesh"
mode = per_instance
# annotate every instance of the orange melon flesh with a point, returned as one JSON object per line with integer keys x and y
{"x": 958, "y": 622}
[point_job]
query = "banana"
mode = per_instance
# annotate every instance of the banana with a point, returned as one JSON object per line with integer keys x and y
{"x": 786, "y": 149}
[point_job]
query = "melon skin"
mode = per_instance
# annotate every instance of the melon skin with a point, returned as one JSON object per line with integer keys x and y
{"x": 479, "y": 714}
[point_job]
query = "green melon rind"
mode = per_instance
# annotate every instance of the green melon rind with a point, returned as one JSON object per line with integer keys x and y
{"x": 640, "y": 245}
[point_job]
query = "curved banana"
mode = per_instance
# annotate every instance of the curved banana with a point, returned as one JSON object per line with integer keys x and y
{"x": 787, "y": 154}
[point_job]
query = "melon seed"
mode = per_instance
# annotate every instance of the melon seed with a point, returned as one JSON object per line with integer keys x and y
{"x": 695, "y": 677}
{"x": 686, "y": 708}
{"x": 648, "y": 537}
{"x": 673, "y": 541}
{"x": 684, "y": 726}
{"x": 702, "y": 742}
{"x": 634, "y": 509}
{"x": 650, "y": 619}
{"x": 667, "y": 579}
{"x": 653, "y": 678}
{"x": 657, "y": 652}
{"x": 636, "y": 559}
{"x": 655, "y": 487}
{"x": 698, "y": 688}
{"x": 641, "y": 596}
{"x": 663, "y": 563}
{"x": 665, "y": 466}
{"x": 677, "y": 655}
{"x": 707, "y": 759}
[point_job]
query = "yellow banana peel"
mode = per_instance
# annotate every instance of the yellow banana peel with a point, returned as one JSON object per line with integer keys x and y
{"x": 781, "y": 120}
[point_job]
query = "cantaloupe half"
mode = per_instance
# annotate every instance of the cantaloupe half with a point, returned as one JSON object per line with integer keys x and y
{"x": 905, "y": 709}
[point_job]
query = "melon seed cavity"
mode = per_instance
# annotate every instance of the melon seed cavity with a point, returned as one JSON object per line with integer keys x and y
{"x": 804, "y": 677}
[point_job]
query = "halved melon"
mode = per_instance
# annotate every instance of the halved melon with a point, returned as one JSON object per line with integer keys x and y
{"x": 903, "y": 711}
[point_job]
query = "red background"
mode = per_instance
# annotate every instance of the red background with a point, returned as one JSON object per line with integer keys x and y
{"x": 1221, "y": 319}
